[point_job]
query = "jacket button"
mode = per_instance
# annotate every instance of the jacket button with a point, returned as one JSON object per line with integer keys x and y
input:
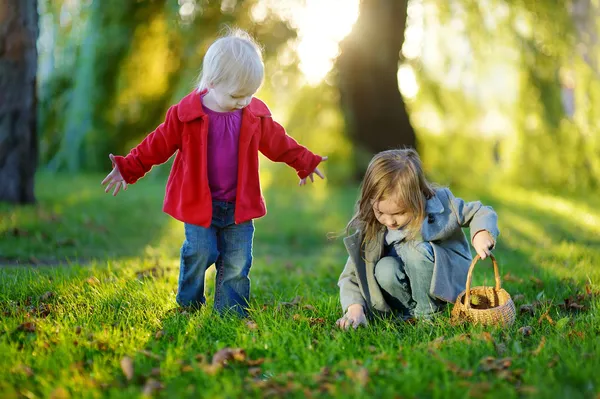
{"x": 430, "y": 219}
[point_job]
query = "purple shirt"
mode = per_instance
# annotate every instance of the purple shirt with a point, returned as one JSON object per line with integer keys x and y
{"x": 223, "y": 136}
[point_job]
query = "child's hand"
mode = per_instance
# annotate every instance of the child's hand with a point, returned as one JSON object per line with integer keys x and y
{"x": 114, "y": 179}
{"x": 355, "y": 316}
{"x": 311, "y": 177}
{"x": 483, "y": 244}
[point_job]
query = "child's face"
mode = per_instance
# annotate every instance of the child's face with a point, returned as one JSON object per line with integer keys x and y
{"x": 391, "y": 214}
{"x": 228, "y": 99}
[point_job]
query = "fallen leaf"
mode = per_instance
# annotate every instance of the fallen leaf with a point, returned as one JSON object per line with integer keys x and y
{"x": 539, "y": 347}
{"x": 93, "y": 280}
{"x": 546, "y": 316}
{"x": 293, "y": 302}
{"x": 251, "y": 325}
{"x": 536, "y": 281}
{"x": 526, "y": 331}
{"x": 225, "y": 355}
{"x": 150, "y": 354}
{"x": 60, "y": 393}
{"x": 527, "y": 308}
{"x": 159, "y": 334}
{"x": 127, "y": 367}
{"x": 511, "y": 278}
{"x": 28, "y": 326}
{"x": 151, "y": 386}
{"x": 47, "y": 295}
{"x": 360, "y": 376}
{"x": 77, "y": 330}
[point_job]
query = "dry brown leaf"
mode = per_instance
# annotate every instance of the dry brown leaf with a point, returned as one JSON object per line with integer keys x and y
{"x": 360, "y": 376}
{"x": 28, "y": 326}
{"x": 539, "y": 283}
{"x": 225, "y": 355}
{"x": 159, "y": 334}
{"x": 293, "y": 302}
{"x": 47, "y": 295}
{"x": 60, "y": 393}
{"x": 77, "y": 330}
{"x": 93, "y": 280}
{"x": 151, "y": 386}
{"x": 254, "y": 371}
{"x": 546, "y": 316}
{"x": 316, "y": 321}
{"x": 526, "y": 331}
{"x": 527, "y": 308}
{"x": 127, "y": 367}
{"x": 251, "y": 325}
{"x": 509, "y": 277}
{"x": 150, "y": 354}
{"x": 540, "y": 347}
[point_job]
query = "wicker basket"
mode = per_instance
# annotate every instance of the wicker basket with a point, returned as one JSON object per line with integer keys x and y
{"x": 498, "y": 308}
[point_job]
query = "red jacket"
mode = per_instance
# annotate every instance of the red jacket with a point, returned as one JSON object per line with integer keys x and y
{"x": 185, "y": 130}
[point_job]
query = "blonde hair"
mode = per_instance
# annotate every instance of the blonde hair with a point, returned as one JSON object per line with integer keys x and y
{"x": 234, "y": 60}
{"x": 391, "y": 174}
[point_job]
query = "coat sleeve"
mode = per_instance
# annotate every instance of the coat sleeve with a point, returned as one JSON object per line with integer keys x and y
{"x": 276, "y": 145}
{"x": 155, "y": 149}
{"x": 349, "y": 289}
{"x": 475, "y": 215}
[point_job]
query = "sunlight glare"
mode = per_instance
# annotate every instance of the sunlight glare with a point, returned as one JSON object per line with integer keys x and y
{"x": 321, "y": 25}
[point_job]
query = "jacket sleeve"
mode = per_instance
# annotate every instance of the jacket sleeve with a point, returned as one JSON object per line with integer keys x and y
{"x": 475, "y": 215}
{"x": 155, "y": 149}
{"x": 276, "y": 145}
{"x": 349, "y": 290}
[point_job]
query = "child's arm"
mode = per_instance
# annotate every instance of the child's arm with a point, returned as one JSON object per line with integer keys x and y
{"x": 353, "y": 303}
{"x": 276, "y": 145}
{"x": 155, "y": 149}
{"x": 480, "y": 219}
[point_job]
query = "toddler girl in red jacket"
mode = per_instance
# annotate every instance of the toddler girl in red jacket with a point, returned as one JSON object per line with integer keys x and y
{"x": 213, "y": 188}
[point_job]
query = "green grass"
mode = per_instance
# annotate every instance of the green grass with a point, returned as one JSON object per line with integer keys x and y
{"x": 89, "y": 280}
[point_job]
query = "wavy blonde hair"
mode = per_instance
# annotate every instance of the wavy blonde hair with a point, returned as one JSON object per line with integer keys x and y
{"x": 234, "y": 60}
{"x": 394, "y": 174}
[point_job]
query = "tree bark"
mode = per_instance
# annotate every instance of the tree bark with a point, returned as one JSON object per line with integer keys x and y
{"x": 18, "y": 66}
{"x": 374, "y": 110}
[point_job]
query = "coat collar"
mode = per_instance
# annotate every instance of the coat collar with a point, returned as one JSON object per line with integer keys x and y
{"x": 190, "y": 107}
{"x": 434, "y": 205}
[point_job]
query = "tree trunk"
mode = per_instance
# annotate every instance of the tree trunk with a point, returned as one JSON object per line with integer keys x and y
{"x": 367, "y": 66}
{"x": 18, "y": 66}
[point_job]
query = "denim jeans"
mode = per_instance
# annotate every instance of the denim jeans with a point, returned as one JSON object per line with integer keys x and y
{"x": 404, "y": 276}
{"x": 226, "y": 245}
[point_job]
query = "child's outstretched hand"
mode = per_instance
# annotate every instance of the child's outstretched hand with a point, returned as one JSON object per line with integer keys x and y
{"x": 311, "y": 177}
{"x": 114, "y": 178}
{"x": 483, "y": 244}
{"x": 355, "y": 316}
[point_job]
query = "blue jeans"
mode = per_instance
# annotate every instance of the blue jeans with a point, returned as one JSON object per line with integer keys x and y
{"x": 405, "y": 275}
{"x": 226, "y": 245}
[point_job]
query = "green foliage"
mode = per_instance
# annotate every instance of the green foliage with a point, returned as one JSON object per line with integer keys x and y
{"x": 69, "y": 330}
{"x": 132, "y": 63}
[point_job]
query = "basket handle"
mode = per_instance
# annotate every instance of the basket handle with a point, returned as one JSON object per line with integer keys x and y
{"x": 470, "y": 275}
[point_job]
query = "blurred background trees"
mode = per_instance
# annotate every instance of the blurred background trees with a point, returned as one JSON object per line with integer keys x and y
{"x": 494, "y": 89}
{"x": 18, "y": 62}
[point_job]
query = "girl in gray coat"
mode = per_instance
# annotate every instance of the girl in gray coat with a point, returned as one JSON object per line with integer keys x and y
{"x": 408, "y": 254}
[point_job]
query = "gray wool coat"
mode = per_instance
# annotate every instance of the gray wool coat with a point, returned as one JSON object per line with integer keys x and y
{"x": 446, "y": 215}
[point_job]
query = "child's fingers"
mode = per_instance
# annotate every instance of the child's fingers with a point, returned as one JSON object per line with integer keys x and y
{"x": 319, "y": 173}
{"x": 323, "y": 159}
{"x": 312, "y": 179}
{"x": 109, "y": 186}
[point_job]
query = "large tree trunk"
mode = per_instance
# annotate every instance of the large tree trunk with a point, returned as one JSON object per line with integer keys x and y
{"x": 18, "y": 66}
{"x": 374, "y": 110}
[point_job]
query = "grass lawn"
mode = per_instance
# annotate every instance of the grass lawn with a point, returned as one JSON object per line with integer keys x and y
{"x": 87, "y": 305}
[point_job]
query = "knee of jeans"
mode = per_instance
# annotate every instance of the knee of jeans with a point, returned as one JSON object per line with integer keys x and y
{"x": 386, "y": 270}
{"x": 418, "y": 252}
